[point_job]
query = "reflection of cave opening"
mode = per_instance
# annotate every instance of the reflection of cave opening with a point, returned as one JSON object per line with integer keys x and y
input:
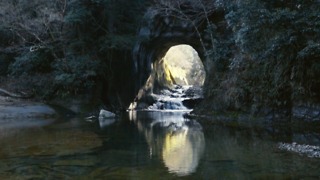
{"x": 179, "y": 141}
{"x": 175, "y": 82}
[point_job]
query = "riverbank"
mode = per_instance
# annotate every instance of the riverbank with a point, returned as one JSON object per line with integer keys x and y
{"x": 13, "y": 108}
{"x": 19, "y": 99}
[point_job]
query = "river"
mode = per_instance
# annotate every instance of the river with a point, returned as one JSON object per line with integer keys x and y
{"x": 151, "y": 145}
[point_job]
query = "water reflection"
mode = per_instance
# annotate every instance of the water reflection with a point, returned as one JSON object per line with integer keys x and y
{"x": 150, "y": 145}
{"x": 43, "y": 137}
{"x": 179, "y": 141}
{"x": 104, "y": 122}
{"x": 10, "y": 127}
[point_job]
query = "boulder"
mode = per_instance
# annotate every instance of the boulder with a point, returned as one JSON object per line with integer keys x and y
{"x": 106, "y": 118}
{"x": 106, "y": 114}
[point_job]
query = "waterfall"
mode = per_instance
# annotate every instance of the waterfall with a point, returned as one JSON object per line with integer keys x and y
{"x": 173, "y": 99}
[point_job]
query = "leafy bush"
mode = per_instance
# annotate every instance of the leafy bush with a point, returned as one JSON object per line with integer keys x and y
{"x": 7, "y": 37}
{"x": 32, "y": 62}
{"x": 275, "y": 54}
{"x": 4, "y": 64}
{"x": 75, "y": 74}
{"x": 81, "y": 41}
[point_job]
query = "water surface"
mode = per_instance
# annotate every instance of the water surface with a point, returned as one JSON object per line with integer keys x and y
{"x": 149, "y": 145}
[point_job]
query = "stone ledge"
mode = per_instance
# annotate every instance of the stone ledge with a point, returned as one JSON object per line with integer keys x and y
{"x": 11, "y": 108}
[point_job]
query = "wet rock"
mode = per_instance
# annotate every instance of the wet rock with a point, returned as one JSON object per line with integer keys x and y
{"x": 169, "y": 104}
{"x": 103, "y": 122}
{"x": 191, "y": 103}
{"x": 176, "y": 98}
{"x": 106, "y": 118}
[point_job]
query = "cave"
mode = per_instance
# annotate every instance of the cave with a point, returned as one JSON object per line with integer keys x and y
{"x": 175, "y": 81}
{"x": 157, "y": 36}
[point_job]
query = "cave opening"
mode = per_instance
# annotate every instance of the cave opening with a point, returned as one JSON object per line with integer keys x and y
{"x": 181, "y": 65}
{"x": 175, "y": 81}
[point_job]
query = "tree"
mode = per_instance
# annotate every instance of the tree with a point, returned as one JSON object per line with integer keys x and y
{"x": 76, "y": 43}
{"x": 273, "y": 55}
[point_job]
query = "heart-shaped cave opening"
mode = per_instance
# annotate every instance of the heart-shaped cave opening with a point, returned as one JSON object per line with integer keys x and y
{"x": 175, "y": 82}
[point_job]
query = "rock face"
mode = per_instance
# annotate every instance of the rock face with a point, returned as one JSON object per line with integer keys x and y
{"x": 157, "y": 34}
{"x": 152, "y": 69}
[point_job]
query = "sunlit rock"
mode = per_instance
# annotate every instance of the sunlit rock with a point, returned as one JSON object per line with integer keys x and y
{"x": 173, "y": 80}
{"x": 132, "y": 106}
{"x": 181, "y": 66}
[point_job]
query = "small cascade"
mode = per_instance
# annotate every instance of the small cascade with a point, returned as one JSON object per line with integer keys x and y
{"x": 175, "y": 98}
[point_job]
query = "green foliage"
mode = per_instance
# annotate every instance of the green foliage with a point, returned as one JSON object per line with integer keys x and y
{"x": 32, "y": 62}
{"x": 4, "y": 64}
{"x": 115, "y": 21}
{"x": 76, "y": 73}
{"x": 77, "y": 15}
{"x": 267, "y": 53}
{"x": 80, "y": 40}
{"x": 7, "y": 37}
{"x": 98, "y": 30}
{"x": 122, "y": 42}
{"x": 307, "y": 71}
{"x": 275, "y": 54}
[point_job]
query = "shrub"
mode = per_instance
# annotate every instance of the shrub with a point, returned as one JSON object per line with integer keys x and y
{"x": 75, "y": 74}
{"x": 32, "y": 62}
{"x": 275, "y": 54}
